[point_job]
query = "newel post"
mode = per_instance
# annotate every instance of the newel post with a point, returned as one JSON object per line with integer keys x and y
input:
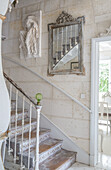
{"x": 37, "y": 136}
{"x": 38, "y": 108}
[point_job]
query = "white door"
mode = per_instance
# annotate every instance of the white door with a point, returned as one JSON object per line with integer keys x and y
{"x": 95, "y": 98}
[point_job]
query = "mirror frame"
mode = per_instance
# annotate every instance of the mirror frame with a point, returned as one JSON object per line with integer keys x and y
{"x": 64, "y": 20}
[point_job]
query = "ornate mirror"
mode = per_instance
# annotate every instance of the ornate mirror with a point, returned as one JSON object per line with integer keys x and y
{"x": 65, "y": 45}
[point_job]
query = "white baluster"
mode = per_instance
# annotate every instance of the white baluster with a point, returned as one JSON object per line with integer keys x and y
{"x": 16, "y": 116}
{"x": 3, "y": 150}
{"x": 29, "y": 135}
{"x": 9, "y": 149}
{"x": 37, "y": 138}
{"x": 22, "y": 166}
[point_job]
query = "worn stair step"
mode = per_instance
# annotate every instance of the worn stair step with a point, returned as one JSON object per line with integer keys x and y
{"x": 62, "y": 160}
{"x": 19, "y": 114}
{"x": 46, "y": 149}
{"x": 19, "y": 126}
{"x": 44, "y": 134}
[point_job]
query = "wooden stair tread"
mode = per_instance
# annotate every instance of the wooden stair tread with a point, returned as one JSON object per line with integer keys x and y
{"x": 33, "y": 135}
{"x": 48, "y": 144}
{"x": 19, "y": 124}
{"x": 58, "y": 160}
{"x": 26, "y": 122}
{"x": 44, "y": 146}
{"x": 19, "y": 111}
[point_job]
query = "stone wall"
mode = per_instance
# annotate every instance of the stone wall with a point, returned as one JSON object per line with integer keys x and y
{"x": 66, "y": 114}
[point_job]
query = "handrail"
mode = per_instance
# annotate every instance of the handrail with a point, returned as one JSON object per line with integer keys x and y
{"x": 23, "y": 127}
{"x": 18, "y": 88}
{"x": 61, "y": 90}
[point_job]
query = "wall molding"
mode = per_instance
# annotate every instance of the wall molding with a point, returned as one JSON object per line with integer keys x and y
{"x": 52, "y": 84}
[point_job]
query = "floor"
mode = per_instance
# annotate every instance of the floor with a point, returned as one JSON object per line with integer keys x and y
{"x": 78, "y": 166}
{"x": 104, "y": 158}
{"x": 104, "y": 163}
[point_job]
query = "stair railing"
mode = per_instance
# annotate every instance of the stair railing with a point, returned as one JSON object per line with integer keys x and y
{"x": 52, "y": 84}
{"x": 25, "y": 99}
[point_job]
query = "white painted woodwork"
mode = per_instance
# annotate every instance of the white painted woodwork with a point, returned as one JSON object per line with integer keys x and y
{"x": 9, "y": 149}
{"x": 68, "y": 144}
{"x": 37, "y": 137}
{"x": 22, "y": 133}
{"x": 95, "y": 99}
{"x": 4, "y": 97}
{"x": 49, "y": 82}
{"x": 29, "y": 135}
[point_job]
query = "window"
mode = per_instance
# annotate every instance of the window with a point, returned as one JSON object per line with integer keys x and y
{"x": 104, "y": 71}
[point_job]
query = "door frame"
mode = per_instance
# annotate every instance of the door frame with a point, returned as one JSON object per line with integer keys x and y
{"x": 94, "y": 98}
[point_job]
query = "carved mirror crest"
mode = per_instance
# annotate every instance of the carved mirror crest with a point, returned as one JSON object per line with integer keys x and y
{"x": 65, "y": 45}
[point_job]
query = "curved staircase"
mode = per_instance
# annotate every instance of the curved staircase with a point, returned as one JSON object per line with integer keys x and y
{"x": 51, "y": 154}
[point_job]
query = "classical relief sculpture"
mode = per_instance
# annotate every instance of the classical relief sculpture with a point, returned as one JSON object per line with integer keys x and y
{"x": 29, "y": 38}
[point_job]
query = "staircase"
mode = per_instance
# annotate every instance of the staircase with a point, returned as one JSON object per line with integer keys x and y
{"x": 65, "y": 52}
{"x": 21, "y": 143}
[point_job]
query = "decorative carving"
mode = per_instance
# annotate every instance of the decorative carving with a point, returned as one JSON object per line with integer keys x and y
{"x": 64, "y": 17}
{"x": 65, "y": 44}
{"x": 12, "y": 2}
{"x": 108, "y": 32}
{"x": 29, "y": 38}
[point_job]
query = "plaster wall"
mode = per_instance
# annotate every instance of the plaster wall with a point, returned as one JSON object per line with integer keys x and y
{"x": 66, "y": 114}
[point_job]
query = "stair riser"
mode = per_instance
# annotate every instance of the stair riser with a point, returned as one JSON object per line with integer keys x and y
{"x": 50, "y": 152}
{"x": 19, "y": 117}
{"x": 68, "y": 164}
{"x": 32, "y": 142}
{"x": 26, "y": 129}
{"x": 42, "y": 157}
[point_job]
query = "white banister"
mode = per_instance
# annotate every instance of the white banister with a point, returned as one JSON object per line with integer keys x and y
{"x": 52, "y": 84}
{"x": 22, "y": 166}
{"x": 37, "y": 137}
{"x": 3, "y": 150}
{"x": 29, "y": 135}
{"x": 16, "y": 116}
{"x": 9, "y": 149}
{"x": 38, "y": 108}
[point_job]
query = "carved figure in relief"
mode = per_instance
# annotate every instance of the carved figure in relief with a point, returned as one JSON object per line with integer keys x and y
{"x": 29, "y": 38}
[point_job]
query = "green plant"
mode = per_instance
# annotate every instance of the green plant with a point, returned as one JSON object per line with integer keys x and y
{"x": 103, "y": 77}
